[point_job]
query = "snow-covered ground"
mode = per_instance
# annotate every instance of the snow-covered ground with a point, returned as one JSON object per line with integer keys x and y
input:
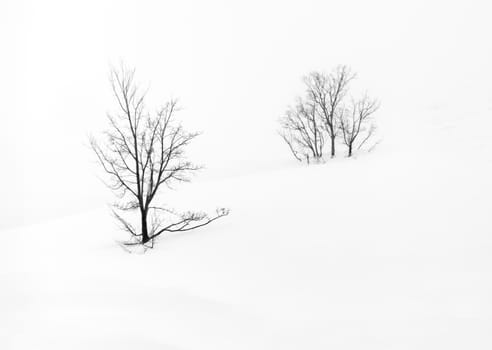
{"x": 390, "y": 250}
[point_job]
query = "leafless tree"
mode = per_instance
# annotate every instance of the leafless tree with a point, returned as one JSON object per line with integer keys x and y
{"x": 302, "y": 131}
{"x": 355, "y": 122}
{"x": 144, "y": 153}
{"x": 326, "y": 92}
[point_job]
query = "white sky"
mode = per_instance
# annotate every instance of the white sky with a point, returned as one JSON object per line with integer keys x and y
{"x": 234, "y": 65}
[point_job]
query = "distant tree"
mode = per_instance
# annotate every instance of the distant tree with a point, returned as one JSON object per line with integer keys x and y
{"x": 322, "y": 114}
{"x": 143, "y": 153}
{"x": 326, "y": 92}
{"x": 355, "y": 122}
{"x": 302, "y": 131}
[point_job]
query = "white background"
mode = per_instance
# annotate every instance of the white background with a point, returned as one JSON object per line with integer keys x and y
{"x": 235, "y": 67}
{"x": 386, "y": 250}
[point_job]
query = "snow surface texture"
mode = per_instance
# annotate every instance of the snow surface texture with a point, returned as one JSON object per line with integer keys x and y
{"x": 390, "y": 250}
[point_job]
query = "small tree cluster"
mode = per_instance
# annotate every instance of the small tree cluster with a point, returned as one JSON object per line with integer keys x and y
{"x": 323, "y": 113}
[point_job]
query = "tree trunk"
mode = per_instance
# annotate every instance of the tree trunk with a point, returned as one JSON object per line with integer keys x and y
{"x": 350, "y": 150}
{"x": 333, "y": 147}
{"x": 145, "y": 232}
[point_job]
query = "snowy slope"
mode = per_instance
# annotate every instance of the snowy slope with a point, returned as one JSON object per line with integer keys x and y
{"x": 390, "y": 250}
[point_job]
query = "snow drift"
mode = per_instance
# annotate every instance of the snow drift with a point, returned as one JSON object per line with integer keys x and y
{"x": 390, "y": 250}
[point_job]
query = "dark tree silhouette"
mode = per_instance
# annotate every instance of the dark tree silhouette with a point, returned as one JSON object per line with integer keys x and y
{"x": 354, "y": 122}
{"x": 144, "y": 153}
{"x": 326, "y": 91}
{"x": 302, "y": 131}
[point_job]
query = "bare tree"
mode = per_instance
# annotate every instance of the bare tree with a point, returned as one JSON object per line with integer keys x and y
{"x": 143, "y": 153}
{"x": 327, "y": 91}
{"x": 302, "y": 131}
{"x": 354, "y": 122}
